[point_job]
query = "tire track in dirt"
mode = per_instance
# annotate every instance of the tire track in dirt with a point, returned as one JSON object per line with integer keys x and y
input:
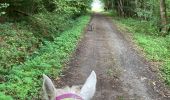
{"x": 122, "y": 73}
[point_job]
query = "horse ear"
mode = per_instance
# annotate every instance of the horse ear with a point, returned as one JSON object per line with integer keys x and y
{"x": 48, "y": 88}
{"x": 89, "y": 88}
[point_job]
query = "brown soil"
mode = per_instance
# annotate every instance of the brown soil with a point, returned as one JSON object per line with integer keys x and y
{"x": 122, "y": 73}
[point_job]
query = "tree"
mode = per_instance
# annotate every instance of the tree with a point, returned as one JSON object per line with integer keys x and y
{"x": 149, "y": 10}
{"x": 163, "y": 17}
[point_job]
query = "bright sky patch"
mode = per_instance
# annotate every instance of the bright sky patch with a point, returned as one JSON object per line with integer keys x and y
{"x": 97, "y": 6}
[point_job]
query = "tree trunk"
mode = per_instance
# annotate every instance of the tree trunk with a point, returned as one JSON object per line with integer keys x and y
{"x": 163, "y": 16}
{"x": 120, "y": 5}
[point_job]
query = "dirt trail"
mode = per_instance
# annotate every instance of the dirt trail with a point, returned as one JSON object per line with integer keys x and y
{"x": 122, "y": 73}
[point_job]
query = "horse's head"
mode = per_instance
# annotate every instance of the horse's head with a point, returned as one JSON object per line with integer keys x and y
{"x": 74, "y": 93}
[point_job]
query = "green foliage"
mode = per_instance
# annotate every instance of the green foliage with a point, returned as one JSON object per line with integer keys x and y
{"x": 16, "y": 45}
{"x": 166, "y": 72}
{"x": 148, "y": 10}
{"x": 24, "y": 80}
{"x": 20, "y": 40}
{"x": 20, "y": 8}
{"x": 27, "y": 26}
{"x": 141, "y": 26}
{"x": 157, "y": 48}
{"x": 3, "y": 6}
{"x": 4, "y": 97}
{"x": 50, "y": 25}
{"x": 142, "y": 13}
{"x": 45, "y": 18}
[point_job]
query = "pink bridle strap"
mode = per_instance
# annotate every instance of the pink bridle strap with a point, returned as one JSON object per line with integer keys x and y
{"x": 69, "y": 96}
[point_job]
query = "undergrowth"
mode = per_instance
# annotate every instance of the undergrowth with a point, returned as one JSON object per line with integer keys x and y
{"x": 21, "y": 39}
{"x": 16, "y": 45}
{"x": 156, "y": 48}
{"x": 24, "y": 81}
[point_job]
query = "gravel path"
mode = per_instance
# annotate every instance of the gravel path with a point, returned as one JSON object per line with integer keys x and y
{"x": 122, "y": 73}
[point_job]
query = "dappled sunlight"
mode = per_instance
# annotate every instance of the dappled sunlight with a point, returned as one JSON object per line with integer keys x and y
{"x": 97, "y": 6}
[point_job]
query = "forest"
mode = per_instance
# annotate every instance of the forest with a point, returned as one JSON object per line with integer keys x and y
{"x": 149, "y": 10}
{"x": 38, "y": 36}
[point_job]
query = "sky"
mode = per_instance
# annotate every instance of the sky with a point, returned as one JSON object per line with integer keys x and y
{"x": 97, "y": 6}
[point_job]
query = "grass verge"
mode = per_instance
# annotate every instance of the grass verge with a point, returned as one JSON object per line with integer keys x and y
{"x": 156, "y": 48}
{"x": 24, "y": 80}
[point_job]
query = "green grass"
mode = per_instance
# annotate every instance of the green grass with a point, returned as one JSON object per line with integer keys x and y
{"x": 24, "y": 81}
{"x": 156, "y": 48}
